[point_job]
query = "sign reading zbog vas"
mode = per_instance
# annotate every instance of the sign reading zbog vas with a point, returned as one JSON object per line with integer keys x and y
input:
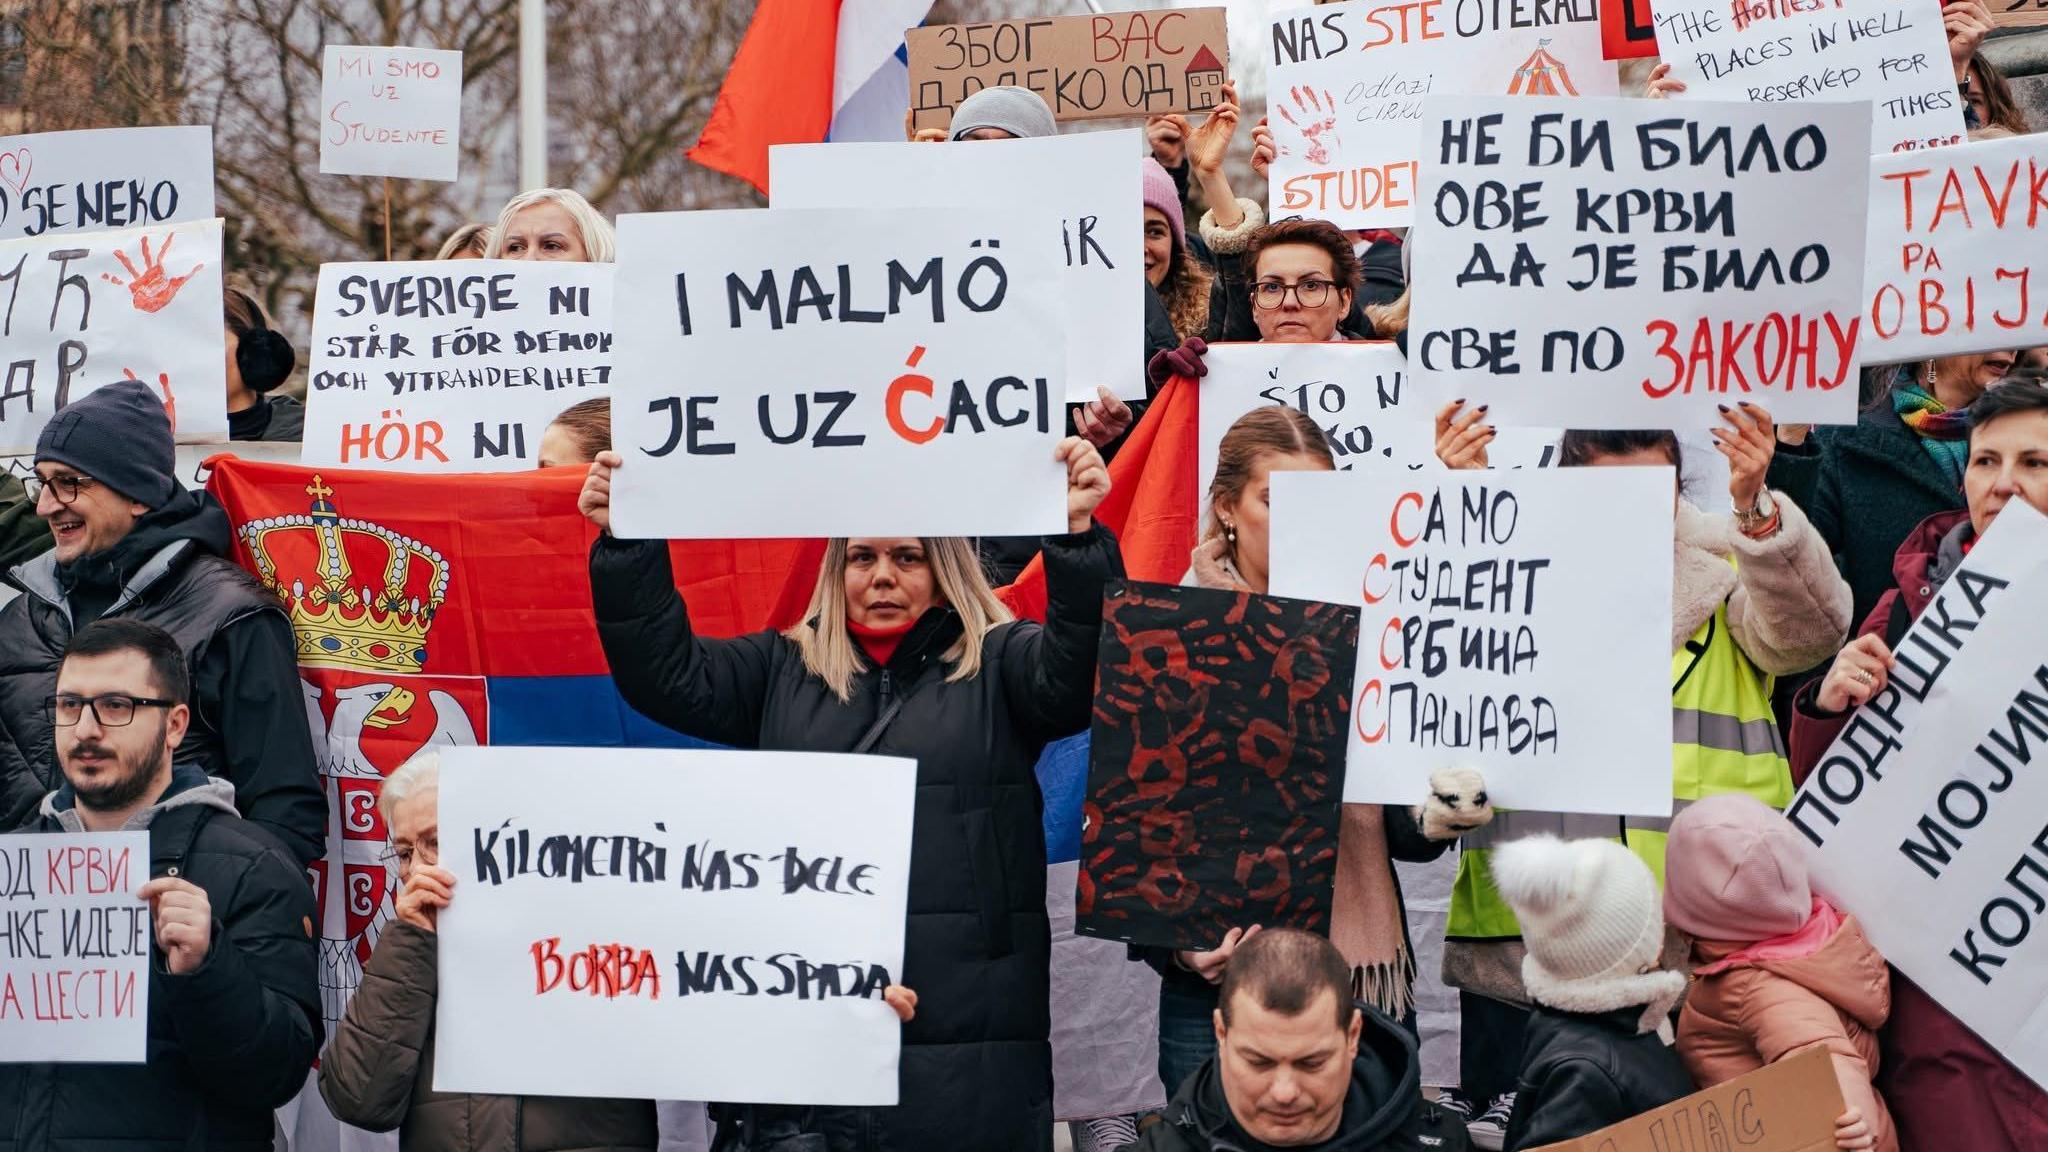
{"x": 109, "y": 178}
{"x": 74, "y": 952}
{"x": 390, "y": 112}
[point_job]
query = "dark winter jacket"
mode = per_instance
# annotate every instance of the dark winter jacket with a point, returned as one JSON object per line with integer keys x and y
{"x": 378, "y": 1073}
{"x": 23, "y": 534}
{"x": 273, "y": 418}
{"x": 1382, "y": 1112}
{"x": 229, "y": 1041}
{"x": 977, "y": 1064}
{"x": 248, "y": 713}
{"x": 1582, "y": 1071}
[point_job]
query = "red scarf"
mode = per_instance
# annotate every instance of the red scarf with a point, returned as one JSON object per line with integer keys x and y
{"x": 879, "y": 643}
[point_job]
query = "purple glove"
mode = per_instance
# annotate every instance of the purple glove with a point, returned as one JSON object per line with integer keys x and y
{"x": 1185, "y": 360}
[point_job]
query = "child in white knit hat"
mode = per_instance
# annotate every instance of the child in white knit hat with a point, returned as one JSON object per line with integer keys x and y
{"x": 1598, "y": 1044}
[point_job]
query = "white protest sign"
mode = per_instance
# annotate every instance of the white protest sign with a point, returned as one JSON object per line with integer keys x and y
{"x": 1638, "y": 264}
{"x": 1891, "y": 53}
{"x": 838, "y": 372}
{"x": 612, "y": 900}
{"x": 1955, "y": 240}
{"x": 390, "y": 112}
{"x": 91, "y": 308}
{"x": 74, "y": 947}
{"x": 1346, "y": 81}
{"x": 1515, "y": 622}
{"x": 109, "y": 178}
{"x": 1925, "y": 818}
{"x": 1084, "y": 194}
{"x": 452, "y": 366}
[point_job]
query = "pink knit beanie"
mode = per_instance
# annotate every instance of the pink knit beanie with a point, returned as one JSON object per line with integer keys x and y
{"x": 1161, "y": 194}
{"x": 1735, "y": 871}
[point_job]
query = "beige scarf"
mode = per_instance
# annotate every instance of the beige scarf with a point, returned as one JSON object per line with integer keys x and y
{"x": 1365, "y": 916}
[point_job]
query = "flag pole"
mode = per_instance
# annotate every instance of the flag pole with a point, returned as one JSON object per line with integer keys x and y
{"x": 533, "y": 94}
{"x": 387, "y": 219}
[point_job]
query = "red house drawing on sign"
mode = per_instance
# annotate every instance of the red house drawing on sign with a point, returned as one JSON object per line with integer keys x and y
{"x": 1205, "y": 80}
{"x": 1542, "y": 75}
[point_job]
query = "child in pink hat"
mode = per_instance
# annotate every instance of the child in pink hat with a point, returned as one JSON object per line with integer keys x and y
{"x": 1778, "y": 969}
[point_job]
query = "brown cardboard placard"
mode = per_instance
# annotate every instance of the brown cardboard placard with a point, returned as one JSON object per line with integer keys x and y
{"x": 2019, "y": 13}
{"x": 1086, "y": 67}
{"x": 1789, "y": 1106}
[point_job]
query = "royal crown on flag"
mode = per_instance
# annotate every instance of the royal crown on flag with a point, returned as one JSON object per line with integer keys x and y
{"x": 341, "y": 619}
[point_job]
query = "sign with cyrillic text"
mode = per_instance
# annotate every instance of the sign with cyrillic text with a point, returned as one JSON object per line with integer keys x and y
{"x": 1926, "y": 815}
{"x": 1087, "y": 67}
{"x": 1639, "y": 264}
{"x": 1515, "y": 622}
{"x": 1955, "y": 240}
{"x": 838, "y": 372}
{"x": 91, "y": 308}
{"x": 104, "y": 179}
{"x": 710, "y": 905}
{"x": 74, "y": 947}
{"x": 1891, "y": 53}
{"x": 1789, "y": 1106}
{"x": 1091, "y": 220}
{"x": 1345, "y": 83}
{"x": 452, "y": 366}
{"x": 390, "y": 112}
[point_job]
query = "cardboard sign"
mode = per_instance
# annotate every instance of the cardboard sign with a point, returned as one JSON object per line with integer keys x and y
{"x": 1789, "y": 1106}
{"x": 1892, "y": 53}
{"x": 390, "y": 112}
{"x": 1925, "y": 815}
{"x": 1217, "y": 766}
{"x": 1346, "y": 84}
{"x": 838, "y": 372}
{"x": 1627, "y": 30}
{"x": 1954, "y": 249}
{"x": 452, "y": 366}
{"x": 1086, "y": 67}
{"x": 1091, "y": 221}
{"x": 1515, "y": 622}
{"x": 612, "y": 900}
{"x": 90, "y": 308}
{"x": 74, "y": 947}
{"x": 2020, "y": 13}
{"x": 111, "y": 178}
{"x": 1638, "y": 264}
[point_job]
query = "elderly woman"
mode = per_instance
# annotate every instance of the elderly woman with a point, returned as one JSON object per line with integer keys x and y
{"x": 552, "y": 224}
{"x": 905, "y": 651}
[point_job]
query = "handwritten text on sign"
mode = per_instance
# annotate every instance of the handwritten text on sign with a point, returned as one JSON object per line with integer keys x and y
{"x": 452, "y": 366}
{"x": 1639, "y": 263}
{"x": 1346, "y": 84}
{"x": 390, "y": 112}
{"x": 1926, "y": 817}
{"x": 1955, "y": 240}
{"x": 74, "y": 947}
{"x": 87, "y": 309}
{"x": 111, "y": 178}
{"x": 1505, "y": 628}
{"x": 1789, "y": 1106}
{"x": 1892, "y": 53}
{"x": 753, "y": 896}
{"x": 1092, "y": 219}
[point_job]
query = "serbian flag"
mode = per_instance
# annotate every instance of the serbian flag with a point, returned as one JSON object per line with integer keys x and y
{"x": 807, "y": 71}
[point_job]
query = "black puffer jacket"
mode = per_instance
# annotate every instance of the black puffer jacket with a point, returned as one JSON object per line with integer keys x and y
{"x": 227, "y": 1043}
{"x": 1582, "y": 1071}
{"x": 977, "y": 1063}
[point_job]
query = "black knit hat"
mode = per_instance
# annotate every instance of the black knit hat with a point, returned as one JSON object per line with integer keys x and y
{"x": 120, "y": 436}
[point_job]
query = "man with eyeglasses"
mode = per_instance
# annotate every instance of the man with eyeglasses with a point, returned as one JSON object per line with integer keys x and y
{"x": 132, "y": 543}
{"x": 234, "y": 994}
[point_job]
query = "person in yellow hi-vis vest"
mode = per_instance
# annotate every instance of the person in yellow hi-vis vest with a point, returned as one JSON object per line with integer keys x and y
{"x": 1755, "y": 595}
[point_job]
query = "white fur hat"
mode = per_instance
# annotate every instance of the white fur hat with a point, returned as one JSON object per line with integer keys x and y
{"x": 1592, "y": 921}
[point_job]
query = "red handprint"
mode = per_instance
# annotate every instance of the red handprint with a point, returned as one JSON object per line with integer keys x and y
{"x": 152, "y": 288}
{"x": 1318, "y": 115}
{"x": 163, "y": 381}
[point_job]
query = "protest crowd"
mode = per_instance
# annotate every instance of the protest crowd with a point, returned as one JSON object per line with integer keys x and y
{"x": 1156, "y": 689}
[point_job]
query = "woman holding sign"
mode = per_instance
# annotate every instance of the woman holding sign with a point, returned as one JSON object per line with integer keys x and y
{"x": 905, "y": 651}
{"x": 552, "y": 224}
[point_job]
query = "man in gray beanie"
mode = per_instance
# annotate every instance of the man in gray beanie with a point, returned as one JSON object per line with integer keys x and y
{"x": 130, "y": 541}
{"x": 1004, "y": 113}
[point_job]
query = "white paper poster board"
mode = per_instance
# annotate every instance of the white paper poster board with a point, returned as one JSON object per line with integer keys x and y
{"x": 1345, "y": 84}
{"x": 92, "y": 308}
{"x": 1892, "y": 54}
{"x": 74, "y": 947}
{"x": 1957, "y": 261}
{"x": 1515, "y": 622}
{"x": 837, "y": 372}
{"x": 108, "y": 178}
{"x": 1638, "y": 263}
{"x": 1925, "y": 816}
{"x": 1084, "y": 192}
{"x": 452, "y": 366}
{"x": 390, "y": 112}
{"x": 613, "y": 903}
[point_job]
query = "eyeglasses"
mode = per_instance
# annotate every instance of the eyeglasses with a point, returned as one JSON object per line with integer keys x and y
{"x": 1310, "y": 293}
{"x": 111, "y": 710}
{"x": 65, "y": 488}
{"x": 401, "y": 855}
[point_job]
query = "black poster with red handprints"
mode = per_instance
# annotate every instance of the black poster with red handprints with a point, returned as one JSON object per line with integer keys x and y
{"x": 1217, "y": 766}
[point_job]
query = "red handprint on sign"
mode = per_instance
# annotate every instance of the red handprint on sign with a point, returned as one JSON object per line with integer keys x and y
{"x": 1318, "y": 115}
{"x": 152, "y": 288}
{"x": 163, "y": 381}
